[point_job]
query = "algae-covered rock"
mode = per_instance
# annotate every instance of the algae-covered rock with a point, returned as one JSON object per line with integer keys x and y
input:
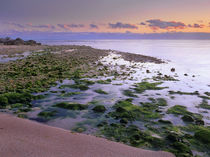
{"x": 164, "y": 121}
{"x": 203, "y": 135}
{"x": 47, "y": 114}
{"x": 3, "y": 101}
{"x": 71, "y": 106}
{"x": 99, "y": 108}
{"x": 187, "y": 118}
{"x": 182, "y": 149}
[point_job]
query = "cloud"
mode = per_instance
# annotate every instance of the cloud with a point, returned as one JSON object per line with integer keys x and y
{"x": 70, "y": 26}
{"x": 76, "y": 25}
{"x": 120, "y": 25}
{"x": 48, "y": 26}
{"x": 195, "y": 25}
{"x": 64, "y": 26}
{"x": 156, "y": 24}
{"x": 16, "y": 24}
{"x": 93, "y": 26}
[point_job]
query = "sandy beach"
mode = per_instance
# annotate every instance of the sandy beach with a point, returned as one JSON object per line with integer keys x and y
{"x": 23, "y": 138}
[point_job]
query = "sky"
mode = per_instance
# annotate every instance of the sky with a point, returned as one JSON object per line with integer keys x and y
{"x": 105, "y": 16}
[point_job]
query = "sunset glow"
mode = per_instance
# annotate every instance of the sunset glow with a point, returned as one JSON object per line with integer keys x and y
{"x": 105, "y": 16}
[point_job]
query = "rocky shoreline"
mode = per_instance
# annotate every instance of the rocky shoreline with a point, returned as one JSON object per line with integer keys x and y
{"x": 100, "y": 92}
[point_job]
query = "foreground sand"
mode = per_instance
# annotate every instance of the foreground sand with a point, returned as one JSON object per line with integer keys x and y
{"x": 24, "y": 138}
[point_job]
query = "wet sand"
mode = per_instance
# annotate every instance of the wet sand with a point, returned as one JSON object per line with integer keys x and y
{"x": 25, "y": 138}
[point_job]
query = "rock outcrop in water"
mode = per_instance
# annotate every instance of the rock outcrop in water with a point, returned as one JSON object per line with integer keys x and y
{"x": 17, "y": 41}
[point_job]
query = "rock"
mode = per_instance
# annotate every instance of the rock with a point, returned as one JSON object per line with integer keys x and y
{"x": 172, "y": 69}
{"x": 102, "y": 124}
{"x": 173, "y": 137}
{"x": 164, "y": 121}
{"x": 124, "y": 121}
{"x": 147, "y": 71}
{"x": 199, "y": 122}
{"x": 185, "y": 74}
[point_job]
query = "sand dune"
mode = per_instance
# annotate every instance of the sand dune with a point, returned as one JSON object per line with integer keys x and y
{"x": 24, "y": 138}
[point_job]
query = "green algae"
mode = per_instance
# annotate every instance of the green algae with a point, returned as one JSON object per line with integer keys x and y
{"x": 100, "y": 91}
{"x": 207, "y": 93}
{"x": 129, "y": 93}
{"x": 125, "y": 109}
{"x": 37, "y": 73}
{"x": 130, "y": 135}
{"x": 108, "y": 81}
{"x": 204, "y": 104}
{"x": 184, "y": 93}
{"x": 204, "y": 97}
{"x": 19, "y": 102}
{"x": 187, "y": 116}
{"x": 143, "y": 86}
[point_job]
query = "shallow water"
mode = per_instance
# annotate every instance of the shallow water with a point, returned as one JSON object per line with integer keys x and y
{"x": 6, "y": 58}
